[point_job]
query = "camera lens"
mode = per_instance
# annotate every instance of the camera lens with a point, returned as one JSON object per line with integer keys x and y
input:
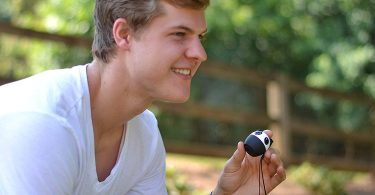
{"x": 266, "y": 140}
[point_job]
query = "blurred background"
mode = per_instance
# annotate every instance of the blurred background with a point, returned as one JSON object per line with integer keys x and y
{"x": 303, "y": 68}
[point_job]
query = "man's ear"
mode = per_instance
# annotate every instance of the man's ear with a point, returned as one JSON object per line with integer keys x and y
{"x": 121, "y": 33}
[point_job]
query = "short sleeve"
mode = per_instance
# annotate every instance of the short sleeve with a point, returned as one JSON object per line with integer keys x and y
{"x": 38, "y": 155}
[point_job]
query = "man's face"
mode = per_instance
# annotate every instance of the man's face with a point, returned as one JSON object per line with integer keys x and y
{"x": 167, "y": 54}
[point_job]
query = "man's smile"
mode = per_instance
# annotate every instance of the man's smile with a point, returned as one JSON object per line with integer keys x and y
{"x": 182, "y": 71}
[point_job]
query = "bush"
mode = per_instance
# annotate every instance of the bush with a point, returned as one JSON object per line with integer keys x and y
{"x": 176, "y": 183}
{"x": 319, "y": 179}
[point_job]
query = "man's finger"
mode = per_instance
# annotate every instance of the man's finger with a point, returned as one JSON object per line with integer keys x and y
{"x": 279, "y": 177}
{"x": 274, "y": 165}
{"x": 268, "y": 132}
{"x": 234, "y": 163}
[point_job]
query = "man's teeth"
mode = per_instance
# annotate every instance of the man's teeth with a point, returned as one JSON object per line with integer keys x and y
{"x": 185, "y": 72}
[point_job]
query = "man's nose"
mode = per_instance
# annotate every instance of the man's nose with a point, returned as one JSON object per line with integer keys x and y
{"x": 196, "y": 51}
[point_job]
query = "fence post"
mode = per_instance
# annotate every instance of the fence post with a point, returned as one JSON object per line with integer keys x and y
{"x": 278, "y": 109}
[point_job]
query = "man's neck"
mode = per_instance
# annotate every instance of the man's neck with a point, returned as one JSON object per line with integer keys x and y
{"x": 113, "y": 100}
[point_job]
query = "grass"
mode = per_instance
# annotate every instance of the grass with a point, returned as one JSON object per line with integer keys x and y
{"x": 192, "y": 175}
{"x": 213, "y": 162}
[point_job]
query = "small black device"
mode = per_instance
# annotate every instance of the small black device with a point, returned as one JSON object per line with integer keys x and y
{"x": 257, "y": 143}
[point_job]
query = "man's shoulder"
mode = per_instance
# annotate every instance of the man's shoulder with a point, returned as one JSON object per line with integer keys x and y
{"x": 32, "y": 120}
{"x": 50, "y": 91}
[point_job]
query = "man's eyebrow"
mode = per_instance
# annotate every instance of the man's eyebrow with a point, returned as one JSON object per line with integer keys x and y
{"x": 189, "y": 29}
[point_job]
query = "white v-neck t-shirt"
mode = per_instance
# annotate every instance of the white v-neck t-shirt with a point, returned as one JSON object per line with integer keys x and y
{"x": 47, "y": 141}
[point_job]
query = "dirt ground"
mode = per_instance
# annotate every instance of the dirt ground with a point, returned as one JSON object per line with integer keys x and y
{"x": 203, "y": 177}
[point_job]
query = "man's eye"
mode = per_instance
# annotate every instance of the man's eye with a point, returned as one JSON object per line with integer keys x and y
{"x": 180, "y": 34}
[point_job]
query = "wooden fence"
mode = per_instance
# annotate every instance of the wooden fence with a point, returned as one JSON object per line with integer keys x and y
{"x": 278, "y": 115}
{"x": 279, "y": 118}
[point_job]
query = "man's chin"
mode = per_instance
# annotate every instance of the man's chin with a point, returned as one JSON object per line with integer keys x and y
{"x": 177, "y": 100}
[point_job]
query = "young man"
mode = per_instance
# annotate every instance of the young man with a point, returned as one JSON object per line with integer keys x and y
{"x": 87, "y": 130}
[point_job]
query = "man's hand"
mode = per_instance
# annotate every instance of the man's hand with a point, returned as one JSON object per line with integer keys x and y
{"x": 240, "y": 174}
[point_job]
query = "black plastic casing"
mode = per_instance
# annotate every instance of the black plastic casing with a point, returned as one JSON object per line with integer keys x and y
{"x": 254, "y": 145}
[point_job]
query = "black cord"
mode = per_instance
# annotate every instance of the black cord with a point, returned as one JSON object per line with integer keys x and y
{"x": 260, "y": 164}
{"x": 261, "y": 171}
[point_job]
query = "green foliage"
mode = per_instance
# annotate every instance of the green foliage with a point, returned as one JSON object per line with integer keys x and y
{"x": 62, "y": 17}
{"x": 176, "y": 183}
{"x": 327, "y": 42}
{"x": 338, "y": 114}
{"x": 324, "y": 43}
{"x": 320, "y": 180}
{"x": 30, "y": 56}
{"x": 23, "y": 57}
